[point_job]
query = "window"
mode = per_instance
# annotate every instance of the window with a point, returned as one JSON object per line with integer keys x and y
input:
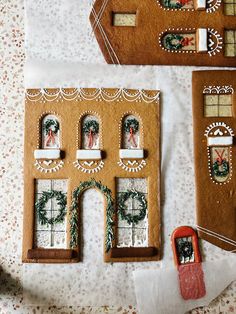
{"x": 185, "y": 250}
{"x": 216, "y": 105}
{"x": 179, "y": 41}
{"x": 133, "y": 234}
{"x": 90, "y": 132}
{"x": 230, "y": 7}
{"x": 124, "y": 19}
{"x": 230, "y": 43}
{"x": 47, "y": 235}
{"x": 50, "y": 132}
{"x": 220, "y": 163}
{"x": 131, "y": 132}
{"x": 177, "y": 4}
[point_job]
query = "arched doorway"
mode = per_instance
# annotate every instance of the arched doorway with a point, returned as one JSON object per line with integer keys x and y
{"x": 74, "y": 219}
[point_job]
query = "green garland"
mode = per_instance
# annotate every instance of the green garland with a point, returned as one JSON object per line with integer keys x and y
{"x": 91, "y": 126}
{"x": 216, "y": 168}
{"x": 41, "y": 204}
{"x": 52, "y": 125}
{"x": 131, "y": 124}
{"x": 74, "y": 222}
{"x": 123, "y": 197}
{"x": 168, "y": 41}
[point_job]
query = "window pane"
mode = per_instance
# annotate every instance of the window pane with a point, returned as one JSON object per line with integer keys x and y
{"x": 211, "y": 99}
{"x": 225, "y": 99}
{"x": 225, "y": 111}
{"x": 211, "y": 111}
{"x": 230, "y": 43}
{"x": 229, "y": 36}
{"x": 229, "y": 9}
{"x": 230, "y": 50}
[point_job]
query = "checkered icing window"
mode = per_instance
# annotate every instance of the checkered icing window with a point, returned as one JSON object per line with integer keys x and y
{"x": 230, "y": 7}
{"x": 218, "y": 105}
{"x": 133, "y": 234}
{"x": 230, "y": 43}
{"x": 46, "y": 235}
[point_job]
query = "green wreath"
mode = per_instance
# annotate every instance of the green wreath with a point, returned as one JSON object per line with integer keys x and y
{"x": 216, "y": 168}
{"x": 91, "y": 126}
{"x": 168, "y": 41}
{"x": 123, "y": 197}
{"x": 41, "y": 204}
{"x": 131, "y": 124}
{"x": 185, "y": 248}
{"x": 52, "y": 125}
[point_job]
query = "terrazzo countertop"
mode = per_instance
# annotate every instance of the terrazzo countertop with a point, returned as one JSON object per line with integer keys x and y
{"x": 14, "y": 297}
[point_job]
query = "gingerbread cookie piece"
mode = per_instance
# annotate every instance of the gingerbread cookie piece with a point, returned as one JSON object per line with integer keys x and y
{"x": 171, "y": 32}
{"x": 214, "y": 107}
{"x": 103, "y": 139}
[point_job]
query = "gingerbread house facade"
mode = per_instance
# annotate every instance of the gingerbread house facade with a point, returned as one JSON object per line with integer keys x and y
{"x": 103, "y": 139}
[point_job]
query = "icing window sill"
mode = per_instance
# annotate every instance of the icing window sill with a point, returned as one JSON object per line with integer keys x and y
{"x": 51, "y": 254}
{"x": 202, "y": 40}
{"x": 89, "y": 154}
{"x": 47, "y": 153}
{"x": 220, "y": 140}
{"x": 200, "y": 5}
{"x": 131, "y": 153}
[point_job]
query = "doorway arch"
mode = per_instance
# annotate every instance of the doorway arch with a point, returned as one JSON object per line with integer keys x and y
{"x": 74, "y": 221}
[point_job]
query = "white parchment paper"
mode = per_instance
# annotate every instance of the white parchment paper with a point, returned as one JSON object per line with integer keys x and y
{"x": 158, "y": 291}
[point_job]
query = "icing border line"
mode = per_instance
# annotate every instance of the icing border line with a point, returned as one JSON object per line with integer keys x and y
{"x": 99, "y": 94}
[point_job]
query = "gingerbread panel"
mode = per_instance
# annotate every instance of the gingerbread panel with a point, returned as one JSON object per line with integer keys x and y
{"x": 198, "y": 32}
{"x": 103, "y": 139}
{"x": 214, "y": 109}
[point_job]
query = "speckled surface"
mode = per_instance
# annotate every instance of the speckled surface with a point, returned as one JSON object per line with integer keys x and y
{"x": 13, "y": 275}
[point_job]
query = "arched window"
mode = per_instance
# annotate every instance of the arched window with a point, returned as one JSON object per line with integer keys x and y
{"x": 131, "y": 132}
{"x": 50, "y": 132}
{"x": 219, "y": 151}
{"x": 177, "y": 4}
{"x": 179, "y": 41}
{"x": 191, "y": 41}
{"x": 220, "y": 163}
{"x": 90, "y": 132}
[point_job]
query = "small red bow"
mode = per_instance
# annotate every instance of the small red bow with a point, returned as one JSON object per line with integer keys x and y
{"x": 90, "y": 144}
{"x": 183, "y": 2}
{"x": 187, "y": 41}
{"x": 220, "y": 158}
{"x": 131, "y": 131}
{"x": 51, "y": 138}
